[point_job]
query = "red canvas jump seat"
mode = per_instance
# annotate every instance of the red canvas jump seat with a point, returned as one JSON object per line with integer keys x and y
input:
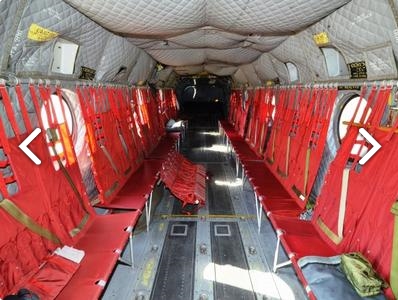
{"x": 121, "y": 128}
{"x": 283, "y": 181}
{"x": 50, "y": 208}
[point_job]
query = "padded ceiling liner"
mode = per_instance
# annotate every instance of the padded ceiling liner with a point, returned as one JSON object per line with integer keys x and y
{"x": 206, "y": 35}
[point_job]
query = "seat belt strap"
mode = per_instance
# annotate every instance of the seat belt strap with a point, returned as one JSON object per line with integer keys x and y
{"x": 14, "y": 211}
{"x": 68, "y": 178}
{"x": 110, "y": 159}
{"x": 394, "y": 255}
{"x": 306, "y": 171}
{"x": 343, "y": 202}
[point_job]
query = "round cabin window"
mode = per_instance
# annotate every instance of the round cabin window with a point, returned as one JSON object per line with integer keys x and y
{"x": 57, "y": 113}
{"x": 346, "y": 114}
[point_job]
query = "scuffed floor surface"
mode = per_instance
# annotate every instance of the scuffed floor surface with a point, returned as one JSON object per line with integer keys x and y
{"x": 216, "y": 254}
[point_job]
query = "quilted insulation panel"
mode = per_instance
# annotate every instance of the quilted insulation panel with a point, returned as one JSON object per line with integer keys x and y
{"x": 206, "y": 32}
{"x": 364, "y": 30}
{"x": 99, "y": 49}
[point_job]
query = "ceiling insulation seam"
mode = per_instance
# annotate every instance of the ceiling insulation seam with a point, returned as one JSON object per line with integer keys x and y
{"x": 239, "y": 78}
{"x": 259, "y": 25}
{"x": 161, "y": 18}
{"x": 142, "y": 70}
{"x": 264, "y": 67}
{"x": 117, "y": 60}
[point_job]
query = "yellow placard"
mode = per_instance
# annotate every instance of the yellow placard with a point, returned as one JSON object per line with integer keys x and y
{"x": 321, "y": 38}
{"x": 40, "y": 34}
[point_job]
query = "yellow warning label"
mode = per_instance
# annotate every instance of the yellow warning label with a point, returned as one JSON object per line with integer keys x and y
{"x": 321, "y": 38}
{"x": 40, "y": 34}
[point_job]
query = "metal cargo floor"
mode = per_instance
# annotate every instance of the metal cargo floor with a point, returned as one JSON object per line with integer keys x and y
{"x": 216, "y": 254}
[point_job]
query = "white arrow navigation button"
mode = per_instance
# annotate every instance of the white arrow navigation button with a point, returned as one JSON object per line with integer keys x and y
{"x": 24, "y": 146}
{"x": 373, "y": 142}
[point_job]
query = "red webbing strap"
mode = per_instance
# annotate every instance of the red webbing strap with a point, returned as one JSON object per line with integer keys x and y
{"x": 22, "y": 105}
{"x": 317, "y": 139}
{"x": 64, "y": 130}
{"x": 132, "y": 126}
{"x": 375, "y": 101}
{"x": 236, "y": 100}
{"x": 10, "y": 112}
{"x": 95, "y": 108}
{"x": 45, "y": 94}
{"x": 298, "y": 112}
{"x": 37, "y": 107}
{"x": 251, "y": 133}
{"x": 381, "y": 102}
{"x": 3, "y": 138}
{"x": 349, "y": 139}
{"x": 234, "y": 107}
{"x": 293, "y": 123}
{"x": 231, "y": 107}
{"x": 244, "y": 109}
{"x": 162, "y": 107}
{"x": 113, "y": 102}
{"x": 138, "y": 133}
{"x": 126, "y": 135}
{"x": 265, "y": 116}
{"x": 371, "y": 108}
{"x": 283, "y": 145}
{"x": 6, "y": 149}
{"x": 280, "y": 96}
{"x": 90, "y": 134}
{"x": 53, "y": 123}
{"x": 323, "y": 112}
{"x": 257, "y": 125}
{"x": 5, "y": 163}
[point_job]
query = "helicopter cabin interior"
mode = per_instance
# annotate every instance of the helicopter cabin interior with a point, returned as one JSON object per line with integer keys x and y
{"x": 198, "y": 149}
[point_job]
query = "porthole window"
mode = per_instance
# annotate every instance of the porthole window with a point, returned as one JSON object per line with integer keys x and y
{"x": 293, "y": 72}
{"x": 346, "y": 114}
{"x": 335, "y": 62}
{"x": 57, "y": 111}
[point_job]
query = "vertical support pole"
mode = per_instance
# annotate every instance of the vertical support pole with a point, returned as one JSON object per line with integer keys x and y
{"x": 276, "y": 254}
{"x": 131, "y": 248}
{"x": 237, "y": 166}
{"x": 148, "y": 208}
{"x": 260, "y": 218}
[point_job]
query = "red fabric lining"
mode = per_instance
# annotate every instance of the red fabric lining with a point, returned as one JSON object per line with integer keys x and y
{"x": 49, "y": 199}
{"x": 368, "y": 225}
